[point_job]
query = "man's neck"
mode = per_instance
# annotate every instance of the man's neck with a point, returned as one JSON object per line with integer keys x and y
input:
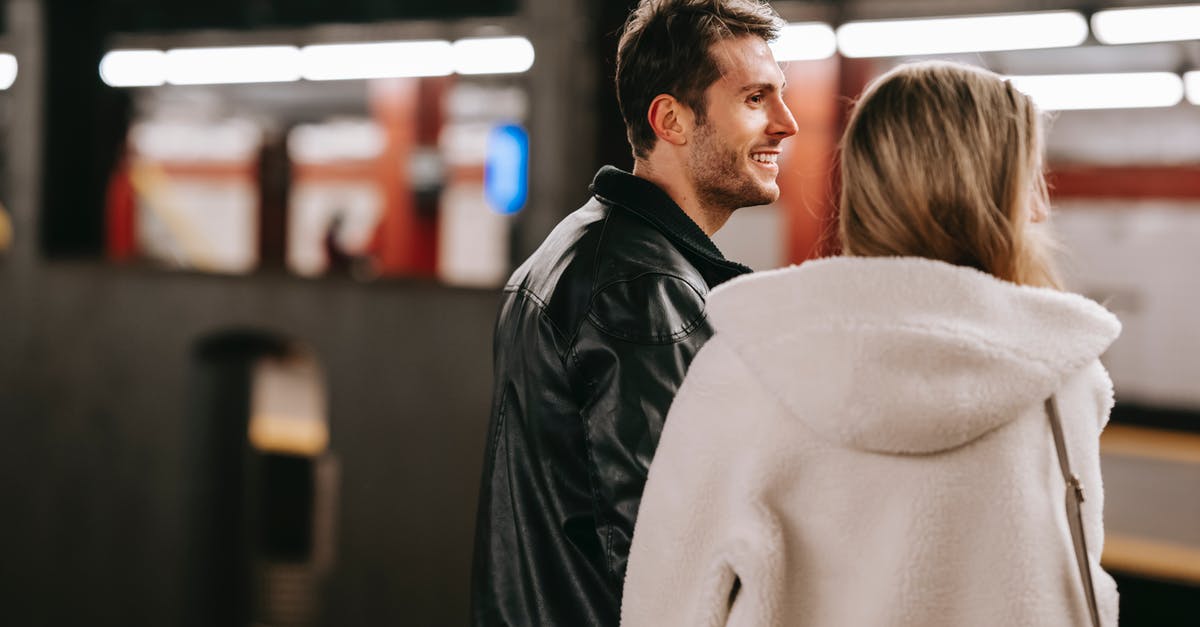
{"x": 709, "y": 219}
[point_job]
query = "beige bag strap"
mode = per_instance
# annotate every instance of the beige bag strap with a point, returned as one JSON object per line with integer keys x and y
{"x": 1074, "y": 509}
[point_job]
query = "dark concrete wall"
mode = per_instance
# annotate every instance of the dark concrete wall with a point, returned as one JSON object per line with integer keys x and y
{"x": 93, "y": 409}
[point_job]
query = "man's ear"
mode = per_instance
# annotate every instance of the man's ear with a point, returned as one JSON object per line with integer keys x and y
{"x": 671, "y": 120}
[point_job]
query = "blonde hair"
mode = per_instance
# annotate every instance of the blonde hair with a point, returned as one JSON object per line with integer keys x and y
{"x": 943, "y": 161}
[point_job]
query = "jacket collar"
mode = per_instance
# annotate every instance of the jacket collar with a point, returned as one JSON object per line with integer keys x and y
{"x": 649, "y": 202}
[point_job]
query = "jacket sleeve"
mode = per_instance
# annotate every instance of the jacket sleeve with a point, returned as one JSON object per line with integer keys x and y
{"x": 707, "y": 549}
{"x": 630, "y": 358}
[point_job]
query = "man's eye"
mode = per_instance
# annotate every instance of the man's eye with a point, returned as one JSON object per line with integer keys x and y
{"x": 756, "y": 99}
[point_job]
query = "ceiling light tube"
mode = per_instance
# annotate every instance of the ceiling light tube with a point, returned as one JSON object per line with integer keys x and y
{"x": 1058, "y": 92}
{"x": 1016, "y": 31}
{"x": 1191, "y": 81}
{"x": 241, "y": 64}
{"x": 1130, "y": 26}
{"x": 134, "y": 68}
{"x": 804, "y": 41}
{"x": 394, "y": 59}
{"x": 493, "y": 55}
{"x": 8, "y": 70}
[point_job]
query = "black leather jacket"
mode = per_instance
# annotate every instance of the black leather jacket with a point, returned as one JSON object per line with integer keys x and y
{"x": 594, "y": 335}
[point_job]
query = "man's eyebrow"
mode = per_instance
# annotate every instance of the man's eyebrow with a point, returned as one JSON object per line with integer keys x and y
{"x": 763, "y": 87}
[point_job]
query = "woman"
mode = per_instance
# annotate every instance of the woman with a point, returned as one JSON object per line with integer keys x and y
{"x": 864, "y": 441}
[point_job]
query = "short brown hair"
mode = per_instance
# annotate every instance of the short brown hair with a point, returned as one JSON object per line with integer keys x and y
{"x": 944, "y": 161}
{"x": 664, "y": 49}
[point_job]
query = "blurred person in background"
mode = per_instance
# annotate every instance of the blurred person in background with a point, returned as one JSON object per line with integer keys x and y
{"x": 598, "y": 326}
{"x": 866, "y": 439}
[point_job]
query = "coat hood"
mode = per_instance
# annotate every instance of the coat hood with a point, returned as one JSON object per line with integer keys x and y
{"x": 905, "y": 355}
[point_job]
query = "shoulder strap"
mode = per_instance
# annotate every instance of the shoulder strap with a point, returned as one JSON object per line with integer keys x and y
{"x": 1074, "y": 509}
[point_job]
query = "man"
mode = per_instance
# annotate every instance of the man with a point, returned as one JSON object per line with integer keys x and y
{"x": 597, "y": 328}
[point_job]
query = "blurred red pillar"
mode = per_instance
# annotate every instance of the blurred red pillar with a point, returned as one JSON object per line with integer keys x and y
{"x": 405, "y": 242}
{"x": 807, "y": 167}
{"x": 119, "y": 218}
{"x": 819, "y": 94}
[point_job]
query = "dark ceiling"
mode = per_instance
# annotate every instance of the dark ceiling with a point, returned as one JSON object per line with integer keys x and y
{"x": 139, "y": 16}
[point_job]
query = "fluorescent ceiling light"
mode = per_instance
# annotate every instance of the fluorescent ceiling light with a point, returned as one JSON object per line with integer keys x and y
{"x": 492, "y": 55}
{"x": 1192, "y": 82}
{"x": 8, "y": 70}
{"x": 1129, "y": 26}
{"x": 1017, "y": 31}
{"x": 1102, "y": 91}
{"x": 242, "y": 64}
{"x": 804, "y": 41}
{"x": 324, "y": 62}
{"x": 134, "y": 68}
{"x": 393, "y": 59}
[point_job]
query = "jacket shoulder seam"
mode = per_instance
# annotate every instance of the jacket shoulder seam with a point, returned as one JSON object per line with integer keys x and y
{"x": 596, "y": 252}
{"x": 595, "y": 277}
{"x": 541, "y": 310}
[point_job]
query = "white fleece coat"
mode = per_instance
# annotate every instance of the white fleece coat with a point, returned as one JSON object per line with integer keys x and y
{"x": 863, "y": 443}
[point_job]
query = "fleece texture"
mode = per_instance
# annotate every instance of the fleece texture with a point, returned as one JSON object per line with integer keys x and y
{"x": 863, "y": 443}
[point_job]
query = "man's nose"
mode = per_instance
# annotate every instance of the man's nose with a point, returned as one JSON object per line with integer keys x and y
{"x": 783, "y": 123}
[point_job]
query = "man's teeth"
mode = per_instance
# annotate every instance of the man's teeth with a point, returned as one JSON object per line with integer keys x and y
{"x": 765, "y": 157}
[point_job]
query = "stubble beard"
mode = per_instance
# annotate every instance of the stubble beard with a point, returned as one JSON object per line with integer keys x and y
{"x": 721, "y": 185}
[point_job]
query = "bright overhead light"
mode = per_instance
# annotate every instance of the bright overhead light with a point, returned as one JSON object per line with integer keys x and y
{"x": 393, "y": 59}
{"x": 134, "y": 68}
{"x": 1017, "y": 31}
{"x": 492, "y": 55}
{"x": 241, "y": 64}
{"x": 1192, "y": 82}
{"x": 1130, "y": 26}
{"x": 322, "y": 62}
{"x": 8, "y": 70}
{"x": 1056, "y": 92}
{"x": 804, "y": 41}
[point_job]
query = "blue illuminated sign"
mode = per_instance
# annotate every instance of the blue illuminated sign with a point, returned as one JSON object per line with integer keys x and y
{"x": 506, "y": 170}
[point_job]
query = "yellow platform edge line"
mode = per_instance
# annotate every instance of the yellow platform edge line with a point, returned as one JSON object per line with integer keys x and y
{"x": 1157, "y": 444}
{"x": 1152, "y": 558}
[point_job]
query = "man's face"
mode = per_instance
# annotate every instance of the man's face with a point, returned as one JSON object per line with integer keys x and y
{"x": 732, "y": 162}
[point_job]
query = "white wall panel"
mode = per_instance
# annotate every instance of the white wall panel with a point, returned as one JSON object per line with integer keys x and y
{"x": 1141, "y": 259}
